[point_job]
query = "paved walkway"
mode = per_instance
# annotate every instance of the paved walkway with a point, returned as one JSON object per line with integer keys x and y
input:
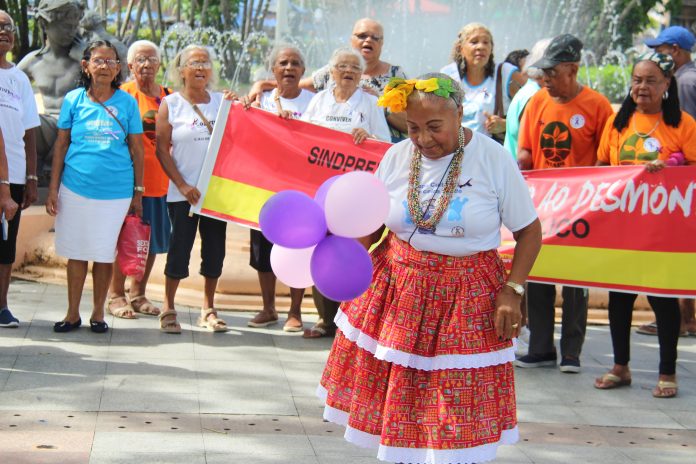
{"x": 136, "y": 395}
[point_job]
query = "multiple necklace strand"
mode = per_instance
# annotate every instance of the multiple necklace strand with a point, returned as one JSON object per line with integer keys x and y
{"x": 647, "y": 134}
{"x": 414, "y": 203}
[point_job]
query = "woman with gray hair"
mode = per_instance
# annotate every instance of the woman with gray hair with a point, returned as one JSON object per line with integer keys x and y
{"x": 519, "y": 101}
{"x": 144, "y": 63}
{"x": 432, "y": 336}
{"x": 289, "y": 101}
{"x": 184, "y": 125}
{"x": 345, "y": 106}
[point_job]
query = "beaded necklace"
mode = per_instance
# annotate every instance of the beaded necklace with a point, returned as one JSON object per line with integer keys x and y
{"x": 414, "y": 204}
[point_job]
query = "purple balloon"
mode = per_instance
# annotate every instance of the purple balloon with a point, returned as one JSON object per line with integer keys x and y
{"x": 341, "y": 268}
{"x": 320, "y": 196}
{"x": 293, "y": 220}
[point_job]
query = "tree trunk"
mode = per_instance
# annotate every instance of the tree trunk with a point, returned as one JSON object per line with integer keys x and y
{"x": 226, "y": 17}
{"x": 204, "y": 13}
{"x": 192, "y": 19}
{"x": 129, "y": 10}
{"x": 244, "y": 20}
{"x": 136, "y": 24}
{"x": 178, "y": 11}
{"x": 119, "y": 7}
{"x": 160, "y": 20}
{"x": 150, "y": 21}
{"x": 23, "y": 30}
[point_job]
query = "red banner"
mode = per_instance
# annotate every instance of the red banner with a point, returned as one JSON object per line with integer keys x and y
{"x": 617, "y": 228}
{"x": 254, "y": 154}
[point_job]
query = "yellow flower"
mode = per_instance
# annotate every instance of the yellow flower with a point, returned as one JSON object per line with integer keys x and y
{"x": 428, "y": 85}
{"x": 395, "y": 97}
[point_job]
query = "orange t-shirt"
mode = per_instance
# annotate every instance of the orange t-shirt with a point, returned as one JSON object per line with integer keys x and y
{"x": 567, "y": 134}
{"x": 155, "y": 180}
{"x": 646, "y": 138}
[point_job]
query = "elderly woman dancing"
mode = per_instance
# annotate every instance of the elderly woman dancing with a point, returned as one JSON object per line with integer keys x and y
{"x": 96, "y": 177}
{"x": 421, "y": 367}
{"x": 650, "y": 130}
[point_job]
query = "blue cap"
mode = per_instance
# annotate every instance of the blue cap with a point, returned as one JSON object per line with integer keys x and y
{"x": 673, "y": 35}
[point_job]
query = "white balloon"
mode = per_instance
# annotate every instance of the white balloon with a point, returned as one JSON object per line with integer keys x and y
{"x": 356, "y": 205}
{"x": 291, "y": 265}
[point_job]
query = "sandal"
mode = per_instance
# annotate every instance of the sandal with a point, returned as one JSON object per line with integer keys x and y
{"x": 610, "y": 381}
{"x": 318, "y": 331}
{"x": 212, "y": 324}
{"x": 660, "y": 390}
{"x": 651, "y": 329}
{"x": 170, "y": 325}
{"x": 124, "y": 312}
{"x": 263, "y": 319}
{"x": 145, "y": 306}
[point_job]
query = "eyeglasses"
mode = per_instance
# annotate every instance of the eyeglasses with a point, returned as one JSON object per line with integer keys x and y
{"x": 348, "y": 67}
{"x": 199, "y": 65}
{"x": 364, "y": 36}
{"x": 153, "y": 60}
{"x": 7, "y": 27}
{"x": 102, "y": 61}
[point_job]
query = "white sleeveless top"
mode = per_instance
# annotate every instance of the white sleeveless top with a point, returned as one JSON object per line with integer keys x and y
{"x": 481, "y": 98}
{"x": 190, "y": 137}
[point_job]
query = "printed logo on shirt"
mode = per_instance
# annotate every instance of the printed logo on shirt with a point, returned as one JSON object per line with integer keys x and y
{"x": 555, "y": 143}
{"x": 639, "y": 150}
{"x": 102, "y": 131}
{"x": 577, "y": 121}
{"x": 113, "y": 110}
{"x": 149, "y": 119}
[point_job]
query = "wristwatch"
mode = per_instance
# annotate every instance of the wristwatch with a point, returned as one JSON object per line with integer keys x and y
{"x": 32, "y": 177}
{"x": 517, "y": 288}
{"x": 139, "y": 188}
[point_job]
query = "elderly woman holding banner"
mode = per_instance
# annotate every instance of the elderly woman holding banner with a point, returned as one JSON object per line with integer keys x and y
{"x": 288, "y": 100}
{"x": 432, "y": 336}
{"x": 184, "y": 125}
{"x": 651, "y": 130}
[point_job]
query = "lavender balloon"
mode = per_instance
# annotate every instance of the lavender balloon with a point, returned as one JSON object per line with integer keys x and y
{"x": 341, "y": 268}
{"x": 293, "y": 220}
{"x": 356, "y": 205}
{"x": 320, "y": 196}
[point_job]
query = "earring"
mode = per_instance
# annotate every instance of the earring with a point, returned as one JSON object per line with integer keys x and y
{"x": 665, "y": 95}
{"x": 630, "y": 93}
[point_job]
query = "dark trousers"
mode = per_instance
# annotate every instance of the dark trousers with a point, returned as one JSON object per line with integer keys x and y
{"x": 326, "y": 308}
{"x": 184, "y": 228}
{"x": 668, "y": 320}
{"x": 541, "y": 310}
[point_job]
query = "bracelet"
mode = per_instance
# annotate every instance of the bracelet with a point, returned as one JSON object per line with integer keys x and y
{"x": 32, "y": 177}
{"x": 139, "y": 188}
{"x": 4, "y": 182}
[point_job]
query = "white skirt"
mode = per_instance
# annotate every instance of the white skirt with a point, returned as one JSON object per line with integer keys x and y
{"x": 87, "y": 229}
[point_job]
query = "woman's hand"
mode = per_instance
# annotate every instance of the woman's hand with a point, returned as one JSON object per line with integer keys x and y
{"x": 247, "y": 102}
{"x": 30, "y": 194}
{"x": 508, "y": 314}
{"x": 359, "y": 135}
{"x": 286, "y": 114}
{"x": 8, "y": 207}
{"x": 52, "y": 202}
{"x": 230, "y": 95}
{"x": 655, "y": 166}
{"x": 494, "y": 124}
{"x": 136, "y": 206}
{"x": 191, "y": 193}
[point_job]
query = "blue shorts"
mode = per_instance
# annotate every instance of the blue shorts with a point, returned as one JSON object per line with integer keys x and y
{"x": 155, "y": 213}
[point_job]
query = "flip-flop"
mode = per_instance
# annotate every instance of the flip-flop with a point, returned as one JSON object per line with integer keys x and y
{"x": 663, "y": 385}
{"x": 610, "y": 381}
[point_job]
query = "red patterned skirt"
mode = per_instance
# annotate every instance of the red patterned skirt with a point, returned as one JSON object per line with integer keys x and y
{"x": 416, "y": 369}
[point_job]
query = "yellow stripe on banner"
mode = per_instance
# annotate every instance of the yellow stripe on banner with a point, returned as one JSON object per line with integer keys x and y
{"x": 621, "y": 267}
{"x": 236, "y": 199}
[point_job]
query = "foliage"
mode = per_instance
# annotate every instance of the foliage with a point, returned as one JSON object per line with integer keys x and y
{"x": 612, "y": 81}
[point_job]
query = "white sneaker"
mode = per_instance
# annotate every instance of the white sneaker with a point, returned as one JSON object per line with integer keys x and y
{"x": 522, "y": 342}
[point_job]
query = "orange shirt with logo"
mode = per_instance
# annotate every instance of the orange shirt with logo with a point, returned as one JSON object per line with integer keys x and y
{"x": 561, "y": 135}
{"x": 646, "y": 138}
{"x": 155, "y": 180}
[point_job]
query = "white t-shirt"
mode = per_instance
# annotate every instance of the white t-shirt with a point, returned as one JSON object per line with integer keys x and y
{"x": 297, "y": 105}
{"x": 190, "y": 137}
{"x": 360, "y": 110}
{"x": 17, "y": 114}
{"x": 481, "y": 98}
{"x": 490, "y": 191}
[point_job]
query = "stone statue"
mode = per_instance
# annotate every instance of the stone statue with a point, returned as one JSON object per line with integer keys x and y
{"x": 93, "y": 27}
{"x": 55, "y": 67}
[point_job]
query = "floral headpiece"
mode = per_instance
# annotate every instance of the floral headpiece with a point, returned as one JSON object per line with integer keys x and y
{"x": 664, "y": 62}
{"x": 397, "y": 91}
